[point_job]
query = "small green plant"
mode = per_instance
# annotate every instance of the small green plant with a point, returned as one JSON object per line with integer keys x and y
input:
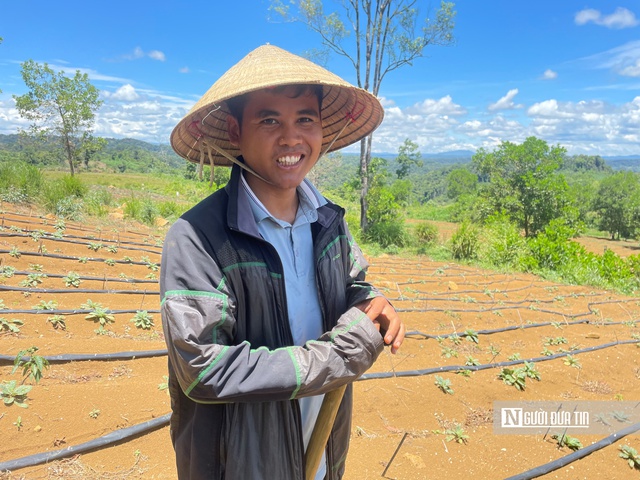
{"x": 151, "y": 276}
{"x": 99, "y": 314}
{"x": 110, "y": 261}
{"x": 11, "y": 326}
{"x": 33, "y": 367}
{"x": 18, "y": 423}
{"x": 472, "y": 362}
{"x": 14, "y": 394}
{"x": 14, "y": 252}
{"x": 36, "y": 267}
{"x": 572, "y": 361}
{"x": 448, "y": 352}
{"x": 60, "y": 225}
{"x": 471, "y": 335}
{"x": 50, "y": 305}
{"x": 112, "y": 249}
{"x": 95, "y": 413}
{"x": 514, "y": 377}
{"x": 127, "y": 259}
{"x": 630, "y": 455}
{"x": 546, "y": 352}
{"x": 456, "y": 433}
{"x": 443, "y": 384}
{"x": 33, "y": 280}
{"x": 72, "y": 280}
{"x": 142, "y": 319}
{"x": 494, "y": 351}
{"x": 164, "y": 385}
{"x": 58, "y": 322}
{"x": 514, "y": 356}
{"x": 7, "y": 271}
{"x": 83, "y": 259}
{"x": 455, "y": 339}
{"x": 567, "y": 441}
{"x": 95, "y": 246}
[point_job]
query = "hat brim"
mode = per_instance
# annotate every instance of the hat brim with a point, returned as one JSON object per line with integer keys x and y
{"x": 346, "y": 108}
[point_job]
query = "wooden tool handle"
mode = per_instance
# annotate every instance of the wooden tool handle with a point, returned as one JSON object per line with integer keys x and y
{"x": 321, "y": 430}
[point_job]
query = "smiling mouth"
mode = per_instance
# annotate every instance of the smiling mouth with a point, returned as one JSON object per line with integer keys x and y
{"x": 289, "y": 160}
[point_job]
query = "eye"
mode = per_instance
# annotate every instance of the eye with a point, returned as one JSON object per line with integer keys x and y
{"x": 269, "y": 121}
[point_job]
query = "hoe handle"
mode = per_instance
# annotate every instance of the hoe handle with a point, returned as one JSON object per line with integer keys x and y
{"x": 321, "y": 430}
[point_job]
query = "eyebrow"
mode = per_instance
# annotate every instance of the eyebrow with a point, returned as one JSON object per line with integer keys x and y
{"x": 265, "y": 113}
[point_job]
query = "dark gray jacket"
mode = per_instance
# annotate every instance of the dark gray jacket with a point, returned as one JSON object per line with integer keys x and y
{"x": 234, "y": 375}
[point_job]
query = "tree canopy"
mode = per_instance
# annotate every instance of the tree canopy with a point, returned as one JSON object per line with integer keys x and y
{"x": 60, "y": 107}
{"x": 618, "y": 205}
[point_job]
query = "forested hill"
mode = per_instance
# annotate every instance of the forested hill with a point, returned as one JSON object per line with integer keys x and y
{"x": 136, "y": 156}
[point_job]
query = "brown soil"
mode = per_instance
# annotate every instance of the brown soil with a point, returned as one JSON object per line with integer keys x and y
{"x": 79, "y": 401}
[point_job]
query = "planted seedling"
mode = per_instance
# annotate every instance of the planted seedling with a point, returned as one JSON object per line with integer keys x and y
{"x": 164, "y": 385}
{"x": 72, "y": 280}
{"x": 83, "y": 259}
{"x": 18, "y": 423}
{"x": 33, "y": 280}
{"x": 472, "y": 362}
{"x": 11, "y": 326}
{"x": 142, "y": 319}
{"x": 7, "y": 271}
{"x": 33, "y": 367}
{"x": 567, "y": 441}
{"x": 58, "y": 322}
{"x": 50, "y": 305}
{"x": 14, "y": 252}
{"x": 471, "y": 335}
{"x": 456, "y": 433}
{"x": 14, "y": 394}
{"x": 110, "y": 261}
{"x": 95, "y": 413}
{"x": 572, "y": 361}
{"x": 515, "y": 377}
{"x": 444, "y": 384}
{"x": 36, "y": 267}
{"x": 513, "y": 357}
{"x": 112, "y": 249}
{"x": 448, "y": 352}
{"x": 94, "y": 246}
{"x": 630, "y": 455}
{"x": 99, "y": 314}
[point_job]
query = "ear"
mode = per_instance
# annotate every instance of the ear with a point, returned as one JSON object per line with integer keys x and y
{"x": 233, "y": 129}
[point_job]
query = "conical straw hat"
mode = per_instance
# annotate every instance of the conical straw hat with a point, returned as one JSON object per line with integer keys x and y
{"x": 347, "y": 111}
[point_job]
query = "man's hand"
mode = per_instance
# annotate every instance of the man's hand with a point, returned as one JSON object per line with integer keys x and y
{"x": 386, "y": 320}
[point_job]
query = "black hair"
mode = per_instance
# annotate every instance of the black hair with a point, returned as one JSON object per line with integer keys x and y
{"x": 236, "y": 104}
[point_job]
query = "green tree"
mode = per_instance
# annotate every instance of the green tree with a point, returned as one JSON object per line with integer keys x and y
{"x": 60, "y": 107}
{"x": 385, "y": 35}
{"x": 408, "y": 154}
{"x": 618, "y": 205}
{"x": 523, "y": 183}
{"x": 461, "y": 181}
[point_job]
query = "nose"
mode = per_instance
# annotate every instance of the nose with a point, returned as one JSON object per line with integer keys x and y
{"x": 290, "y": 135}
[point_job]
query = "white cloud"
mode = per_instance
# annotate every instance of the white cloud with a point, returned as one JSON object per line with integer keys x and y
{"x": 157, "y": 55}
{"x": 632, "y": 70}
{"x": 549, "y": 75}
{"x": 126, "y": 93}
{"x": 506, "y": 102}
{"x": 620, "y": 59}
{"x": 443, "y": 106}
{"x": 184, "y": 70}
{"x": 620, "y": 18}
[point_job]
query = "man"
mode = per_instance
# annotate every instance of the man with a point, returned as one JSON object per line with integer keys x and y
{"x": 264, "y": 304}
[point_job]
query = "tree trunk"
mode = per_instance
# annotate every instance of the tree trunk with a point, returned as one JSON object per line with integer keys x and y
{"x": 365, "y": 160}
{"x": 67, "y": 145}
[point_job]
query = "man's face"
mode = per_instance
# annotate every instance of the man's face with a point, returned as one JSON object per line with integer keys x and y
{"x": 280, "y": 137}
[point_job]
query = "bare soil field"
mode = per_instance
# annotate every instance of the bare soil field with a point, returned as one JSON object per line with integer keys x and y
{"x": 452, "y": 312}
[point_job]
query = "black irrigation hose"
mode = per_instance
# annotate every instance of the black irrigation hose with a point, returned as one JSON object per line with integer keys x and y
{"x": 68, "y": 312}
{"x": 78, "y": 290}
{"x": 83, "y": 277}
{"x": 577, "y": 455}
{"x": 117, "y": 243}
{"x": 71, "y": 257}
{"x": 106, "y": 440}
{"x": 487, "y": 366}
{"x": 83, "y": 357}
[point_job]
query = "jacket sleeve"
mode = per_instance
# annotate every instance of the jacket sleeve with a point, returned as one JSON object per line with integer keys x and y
{"x": 198, "y": 316}
{"x": 358, "y": 290}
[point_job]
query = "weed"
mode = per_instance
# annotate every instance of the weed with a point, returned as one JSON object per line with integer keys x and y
{"x": 142, "y": 319}
{"x": 72, "y": 280}
{"x": 457, "y": 433}
{"x": 58, "y": 322}
{"x": 443, "y": 384}
{"x": 11, "y": 326}
{"x": 630, "y": 455}
{"x": 14, "y": 394}
{"x": 33, "y": 367}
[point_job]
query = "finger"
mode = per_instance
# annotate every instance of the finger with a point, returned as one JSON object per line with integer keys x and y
{"x": 397, "y": 342}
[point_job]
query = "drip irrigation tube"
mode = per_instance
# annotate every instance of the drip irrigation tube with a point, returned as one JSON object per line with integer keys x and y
{"x": 69, "y": 312}
{"x": 120, "y": 244}
{"x": 106, "y": 440}
{"x": 577, "y": 455}
{"x": 88, "y": 278}
{"x": 78, "y": 290}
{"x": 486, "y": 366}
{"x": 79, "y": 357}
{"x": 71, "y": 257}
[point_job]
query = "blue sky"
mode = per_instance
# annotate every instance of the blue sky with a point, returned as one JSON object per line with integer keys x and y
{"x": 565, "y": 71}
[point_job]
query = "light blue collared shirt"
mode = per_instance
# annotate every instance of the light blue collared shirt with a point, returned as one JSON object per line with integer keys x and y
{"x": 294, "y": 245}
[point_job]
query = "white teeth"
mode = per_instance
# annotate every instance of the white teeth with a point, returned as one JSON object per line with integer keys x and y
{"x": 289, "y": 160}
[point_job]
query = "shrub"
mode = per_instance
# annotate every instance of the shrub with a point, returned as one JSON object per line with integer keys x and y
{"x": 465, "y": 242}
{"x": 98, "y": 201}
{"x": 502, "y": 242}
{"x": 387, "y": 234}
{"x": 427, "y": 233}
{"x": 19, "y": 182}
